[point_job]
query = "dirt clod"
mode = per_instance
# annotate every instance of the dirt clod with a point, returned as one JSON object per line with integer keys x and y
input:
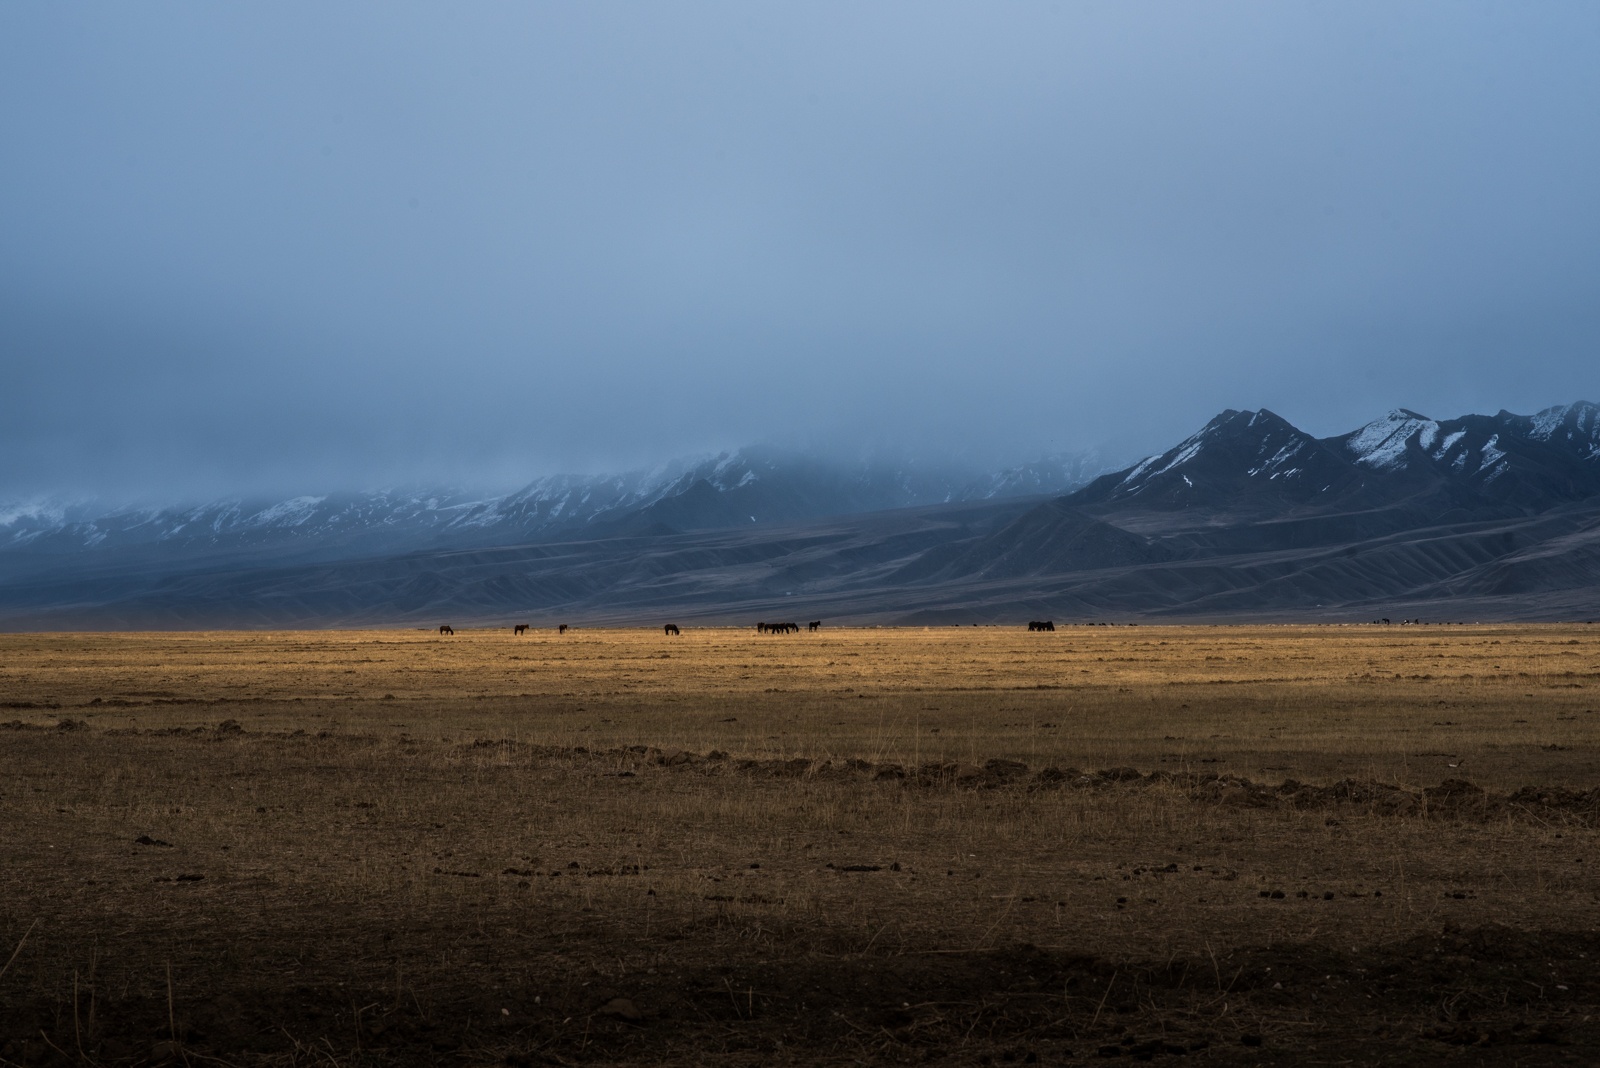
{"x": 622, "y": 1009}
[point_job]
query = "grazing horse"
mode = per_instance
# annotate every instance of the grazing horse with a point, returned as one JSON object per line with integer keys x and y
{"x": 561, "y": 629}
{"x": 671, "y": 628}
{"x": 815, "y": 624}
{"x": 519, "y": 628}
{"x": 447, "y": 629}
{"x": 1042, "y": 624}
{"x": 761, "y": 628}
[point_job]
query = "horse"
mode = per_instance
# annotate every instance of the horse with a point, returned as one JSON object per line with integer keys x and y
{"x": 761, "y": 628}
{"x": 815, "y": 624}
{"x": 446, "y": 629}
{"x": 671, "y": 628}
{"x": 1041, "y": 624}
{"x": 519, "y": 628}
{"x": 561, "y": 629}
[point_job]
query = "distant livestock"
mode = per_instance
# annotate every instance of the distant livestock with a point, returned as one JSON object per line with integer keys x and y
{"x": 815, "y": 624}
{"x": 778, "y": 628}
{"x": 446, "y": 629}
{"x": 519, "y": 628}
{"x": 1038, "y": 624}
{"x": 671, "y": 628}
{"x": 561, "y": 629}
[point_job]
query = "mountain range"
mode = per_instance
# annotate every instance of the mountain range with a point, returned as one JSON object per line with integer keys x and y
{"x": 754, "y": 486}
{"x": 1248, "y": 518}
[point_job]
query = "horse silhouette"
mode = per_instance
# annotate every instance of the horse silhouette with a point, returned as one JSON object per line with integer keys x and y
{"x": 447, "y": 629}
{"x": 519, "y": 628}
{"x": 815, "y": 624}
{"x": 671, "y": 628}
{"x": 561, "y": 629}
{"x": 1042, "y": 624}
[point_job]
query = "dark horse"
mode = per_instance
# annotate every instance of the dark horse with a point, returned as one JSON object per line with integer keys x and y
{"x": 815, "y": 624}
{"x": 671, "y": 628}
{"x": 1047, "y": 624}
{"x": 519, "y": 628}
{"x": 447, "y": 629}
{"x": 561, "y": 629}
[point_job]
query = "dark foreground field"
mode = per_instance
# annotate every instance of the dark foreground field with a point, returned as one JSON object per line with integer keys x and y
{"x": 1190, "y": 845}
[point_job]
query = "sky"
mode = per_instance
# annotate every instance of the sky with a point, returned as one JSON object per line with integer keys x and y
{"x": 295, "y": 247}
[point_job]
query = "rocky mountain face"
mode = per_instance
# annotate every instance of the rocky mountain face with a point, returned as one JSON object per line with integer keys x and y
{"x": 1493, "y": 517}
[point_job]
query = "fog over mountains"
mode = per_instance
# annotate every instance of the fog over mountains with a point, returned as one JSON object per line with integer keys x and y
{"x": 1475, "y": 517}
{"x": 752, "y": 486}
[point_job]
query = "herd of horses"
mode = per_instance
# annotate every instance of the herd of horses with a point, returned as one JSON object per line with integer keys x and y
{"x": 672, "y": 629}
{"x": 786, "y": 628}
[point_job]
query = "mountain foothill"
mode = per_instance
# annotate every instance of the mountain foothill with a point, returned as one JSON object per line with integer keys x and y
{"x": 1250, "y": 518}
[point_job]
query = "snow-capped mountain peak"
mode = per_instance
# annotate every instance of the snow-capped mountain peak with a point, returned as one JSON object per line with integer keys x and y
{"x": 1577, "y": 424}
{"x": 1382, "y": 443}
{"x": 1232, "y": 453}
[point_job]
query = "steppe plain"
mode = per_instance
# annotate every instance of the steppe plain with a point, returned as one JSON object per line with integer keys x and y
{"x": 973, "y": 845}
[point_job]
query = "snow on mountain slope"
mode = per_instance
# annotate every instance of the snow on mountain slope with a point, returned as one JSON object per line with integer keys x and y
{"x": 1381, "y": 444}
{"x": 1551, "y": 456}
{"x": 1576, "y": 425}
{"x": 1236, "y": 457}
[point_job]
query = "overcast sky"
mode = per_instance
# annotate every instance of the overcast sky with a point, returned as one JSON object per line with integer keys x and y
{"x": 336, "y": 245}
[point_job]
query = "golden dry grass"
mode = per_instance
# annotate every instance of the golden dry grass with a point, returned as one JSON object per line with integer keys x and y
{"x": 1510, "y": 705}
{"x": 485, "y": 837}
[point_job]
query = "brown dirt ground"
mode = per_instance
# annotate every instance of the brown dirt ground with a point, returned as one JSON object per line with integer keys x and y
{"x": 1344, "y": 845}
